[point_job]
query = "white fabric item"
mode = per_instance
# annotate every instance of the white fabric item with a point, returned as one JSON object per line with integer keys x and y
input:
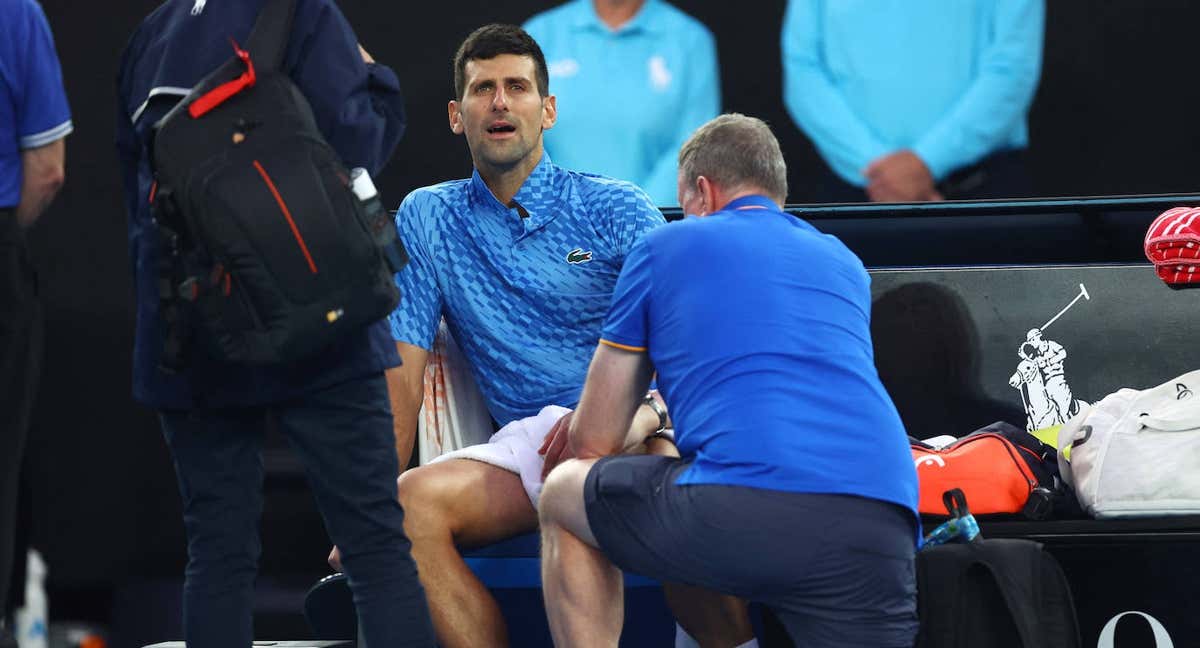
{"x": 453, "y": 413}
{"x": 940, "y": 441}
{"x": 685, "y": 640}
{"x": 1137, "y": 453}
{"x": 515, "y": 448}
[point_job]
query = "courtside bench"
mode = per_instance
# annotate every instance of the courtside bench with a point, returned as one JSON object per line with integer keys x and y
{"x": 956, "y": 287}
{"x": 954, "y": 334}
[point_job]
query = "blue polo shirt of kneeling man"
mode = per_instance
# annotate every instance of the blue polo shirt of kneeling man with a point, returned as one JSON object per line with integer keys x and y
{"x": 758, "y": 325}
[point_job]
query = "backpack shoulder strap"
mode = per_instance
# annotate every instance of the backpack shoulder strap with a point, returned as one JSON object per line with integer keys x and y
{"x": 1016, "y": 567}
{"x": 269, "y": 38}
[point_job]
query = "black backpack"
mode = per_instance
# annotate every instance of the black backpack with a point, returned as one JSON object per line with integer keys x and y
{"x": 999, "y": 593}
{"x": 268, "y": 255}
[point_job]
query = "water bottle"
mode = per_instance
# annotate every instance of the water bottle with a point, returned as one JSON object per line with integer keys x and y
{"x": 32, "y": 617}
{"x": 956, "y": 529}
{"x": 377, "y": 220}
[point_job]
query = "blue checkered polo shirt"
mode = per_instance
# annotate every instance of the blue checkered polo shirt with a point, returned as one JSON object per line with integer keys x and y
{"x": 524, "y": 295}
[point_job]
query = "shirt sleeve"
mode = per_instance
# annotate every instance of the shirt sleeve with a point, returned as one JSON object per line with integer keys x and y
{"x": 631, "y": 215}
{"x": 999, "y": 96}
{"x": 358, "y": 106}
{"x": 415, "y": 319}
{"x": 815, "y": 103}
{"x": 702, "y": 102}
{"x": 43, "y": 114}
{"x": 628, "y": 323}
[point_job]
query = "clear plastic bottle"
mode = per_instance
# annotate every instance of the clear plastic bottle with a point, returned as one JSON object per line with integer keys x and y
{"x": 377, "y": 220}
{"x": 32, "y": 618}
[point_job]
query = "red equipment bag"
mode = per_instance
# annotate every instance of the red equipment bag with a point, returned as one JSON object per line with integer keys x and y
{"x": 997, "y": 475}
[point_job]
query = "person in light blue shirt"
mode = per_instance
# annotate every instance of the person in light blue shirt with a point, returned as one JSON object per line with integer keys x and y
{"x": 634, "y": 78}
{"x": 914, "y": 100}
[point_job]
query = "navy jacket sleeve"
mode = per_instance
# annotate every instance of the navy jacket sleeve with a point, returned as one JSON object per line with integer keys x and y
{"x": 358, "y": 106}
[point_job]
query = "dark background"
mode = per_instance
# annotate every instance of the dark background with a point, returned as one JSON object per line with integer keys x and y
{"x": 1115, "y": 113}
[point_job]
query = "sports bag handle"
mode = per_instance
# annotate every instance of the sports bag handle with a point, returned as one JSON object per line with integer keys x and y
{"x": 956, "y": 503}
{"x": 1173, "y": 406}
{"x": 1179, "y": 418}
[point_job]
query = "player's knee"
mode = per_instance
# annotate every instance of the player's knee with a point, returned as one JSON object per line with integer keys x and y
{"x": 423, "y": 495}
{"x": 562, "y": 491}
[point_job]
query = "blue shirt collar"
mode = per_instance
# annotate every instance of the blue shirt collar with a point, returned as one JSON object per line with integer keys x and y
{"x": 752, "y": 203}
{"x": 646, "y": 19}
{"x": 536, "y": 196}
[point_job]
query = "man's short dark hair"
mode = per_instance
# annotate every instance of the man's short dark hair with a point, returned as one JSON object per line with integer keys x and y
{"x": 491, "y": 41}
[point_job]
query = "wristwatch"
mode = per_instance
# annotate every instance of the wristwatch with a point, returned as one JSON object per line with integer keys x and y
{"x": 652, "y": 402}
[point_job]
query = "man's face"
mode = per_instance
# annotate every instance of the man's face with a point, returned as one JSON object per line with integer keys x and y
{"x": 501, "y": 111}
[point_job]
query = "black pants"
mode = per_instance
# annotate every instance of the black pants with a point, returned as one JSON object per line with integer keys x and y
{"x": 20, "y": 369}
{"x": 343, "y": 435}
{"x": 997, "y": 176}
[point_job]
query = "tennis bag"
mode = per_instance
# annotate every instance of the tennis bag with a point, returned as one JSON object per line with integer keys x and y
{"x": 1001, "y": 469}
{"x": 268, "y": 254}
{"x": 1137, "y": 452}
{"x": 998, "y": 593}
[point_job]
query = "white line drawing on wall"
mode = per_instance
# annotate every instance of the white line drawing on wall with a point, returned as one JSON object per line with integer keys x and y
{"x": 1041, "y": 378}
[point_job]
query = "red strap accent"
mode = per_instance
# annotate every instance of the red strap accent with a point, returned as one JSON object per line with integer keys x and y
{"x": 288, "y": 215}
{"x": 219, "y": 94}
{"x": 153, "y": 191}
{"x": 228, "y": 286}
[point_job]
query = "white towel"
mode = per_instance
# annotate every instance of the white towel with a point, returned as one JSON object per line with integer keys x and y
{"x": 453, "y": 414}
{"x": 515, "y": 449}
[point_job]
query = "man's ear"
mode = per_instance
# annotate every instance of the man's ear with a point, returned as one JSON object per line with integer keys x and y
{"x": 456, "y": 122}
{"x": 549, "y": 112}
{"x": 707, "y": 192}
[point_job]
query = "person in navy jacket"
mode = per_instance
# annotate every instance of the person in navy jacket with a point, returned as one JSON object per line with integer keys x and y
{"x": 333, "y": 406}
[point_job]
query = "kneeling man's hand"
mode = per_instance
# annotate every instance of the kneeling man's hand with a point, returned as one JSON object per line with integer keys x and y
{"x": 555, "y": 448}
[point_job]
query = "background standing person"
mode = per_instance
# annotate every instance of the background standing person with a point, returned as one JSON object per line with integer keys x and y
{"x": 914, "y": 100}
{"x": 634, "y": 78}
{"x": 332, "y": 406}
{"x": 34, "y": 120}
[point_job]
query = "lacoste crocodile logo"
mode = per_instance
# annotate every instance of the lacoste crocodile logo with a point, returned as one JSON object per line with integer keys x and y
{"x": 578, "y": 255}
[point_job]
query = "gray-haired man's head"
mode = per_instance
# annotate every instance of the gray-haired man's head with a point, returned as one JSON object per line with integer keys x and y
{"x": 736, "y": 153}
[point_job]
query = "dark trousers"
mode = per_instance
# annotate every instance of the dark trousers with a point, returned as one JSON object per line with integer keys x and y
{"x": 344, "y": 437}
{"x": 997, "y": 176}
{"x": 20, "y": 368}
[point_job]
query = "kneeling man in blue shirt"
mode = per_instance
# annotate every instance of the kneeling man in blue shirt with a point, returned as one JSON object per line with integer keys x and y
{"x": 795, "y": 486}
